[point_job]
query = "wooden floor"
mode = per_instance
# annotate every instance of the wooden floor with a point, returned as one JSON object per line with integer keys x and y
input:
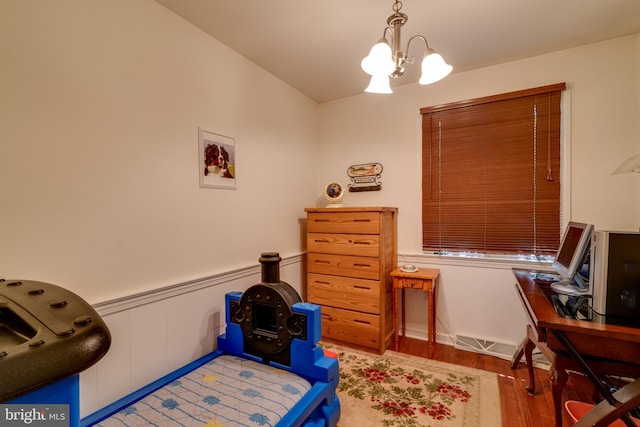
{"x": 519, "y": 408}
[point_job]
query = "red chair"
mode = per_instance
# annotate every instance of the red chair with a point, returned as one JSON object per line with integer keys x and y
{"x": 605, "y": 414}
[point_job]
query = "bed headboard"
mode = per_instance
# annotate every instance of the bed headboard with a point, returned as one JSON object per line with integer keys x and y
{"x": 271, "y": 324}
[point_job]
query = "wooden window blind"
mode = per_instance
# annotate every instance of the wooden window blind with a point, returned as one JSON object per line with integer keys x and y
{"x": 491, "y": 174}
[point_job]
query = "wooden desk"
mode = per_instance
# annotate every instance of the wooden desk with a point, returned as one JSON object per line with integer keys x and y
{"x": 606, "y": 348}
{"x": 424, "y": 279}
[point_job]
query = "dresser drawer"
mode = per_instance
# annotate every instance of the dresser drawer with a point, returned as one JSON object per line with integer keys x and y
{"x": 337, "y": 222}
{"x": 410, "y": 283}
{"x": 351, "y": 326}
{"x": 349, "y": 266}
{"x": 344, "y": 292}
{"x": 344, "y": 244}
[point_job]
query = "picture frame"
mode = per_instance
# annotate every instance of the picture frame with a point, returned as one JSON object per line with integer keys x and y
{"x": 217, "y": 160}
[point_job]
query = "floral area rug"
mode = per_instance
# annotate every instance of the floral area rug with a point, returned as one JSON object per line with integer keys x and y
{"x": 400, "y": 390}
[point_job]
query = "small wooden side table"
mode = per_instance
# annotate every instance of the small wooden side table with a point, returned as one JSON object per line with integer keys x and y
{"x": 425, "y": 279}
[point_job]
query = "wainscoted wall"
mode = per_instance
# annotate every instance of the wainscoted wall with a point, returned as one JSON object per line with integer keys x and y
{"x": 155, "y": 332}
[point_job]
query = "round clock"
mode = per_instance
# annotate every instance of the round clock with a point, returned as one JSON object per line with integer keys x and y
{"x": 334, "y": 192}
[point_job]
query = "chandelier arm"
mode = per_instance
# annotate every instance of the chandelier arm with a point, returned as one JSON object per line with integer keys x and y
{"x": 384, "y": 34}
{"x": 418, "y": 36}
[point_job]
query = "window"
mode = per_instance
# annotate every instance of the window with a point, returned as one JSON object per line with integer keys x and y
{"x": 491, "y": 174}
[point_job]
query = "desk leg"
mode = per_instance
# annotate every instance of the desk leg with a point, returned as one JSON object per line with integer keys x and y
{"x": 528, "y": 357}
{"x": 519, "y": 353}
{"x": 526, "y": 349}
{"x": 395, "y": 318}
{"x": 529, "y": 346}
{"x": 558, "y": 380}
{"x": 404, "y": 323}
{"x": 431, "y": 297}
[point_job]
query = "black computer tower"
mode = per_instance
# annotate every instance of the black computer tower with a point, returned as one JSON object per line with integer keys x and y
{"x": 615, "y": 273}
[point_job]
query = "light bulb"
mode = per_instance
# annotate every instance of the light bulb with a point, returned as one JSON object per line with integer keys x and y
{"x": 379, "y": 84}
{"x": 379, "y": 60}
{"x": 433, "y": 68}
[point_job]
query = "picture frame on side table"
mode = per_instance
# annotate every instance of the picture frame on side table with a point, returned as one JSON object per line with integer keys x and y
{"x": 217, "y": 155}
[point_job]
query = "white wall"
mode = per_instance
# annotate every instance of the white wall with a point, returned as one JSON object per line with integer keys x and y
{"x": 99, "y": 113}
{"x": 601, "y": 126}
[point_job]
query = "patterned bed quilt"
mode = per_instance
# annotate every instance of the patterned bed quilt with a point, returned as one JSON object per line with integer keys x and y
{"x": 226, "y": 391}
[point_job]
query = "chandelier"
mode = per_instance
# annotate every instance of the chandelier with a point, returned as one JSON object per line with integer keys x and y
{"x": 388, "y": 60}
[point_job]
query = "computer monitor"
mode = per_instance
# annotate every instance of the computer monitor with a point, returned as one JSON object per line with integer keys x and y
{"x": 570, "y": 258}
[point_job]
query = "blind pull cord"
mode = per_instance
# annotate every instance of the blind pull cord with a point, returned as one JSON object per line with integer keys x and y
{"x": 549, "y": 171}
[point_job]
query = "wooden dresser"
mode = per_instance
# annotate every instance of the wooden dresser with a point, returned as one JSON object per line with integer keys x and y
{"x": 350, "y": 255}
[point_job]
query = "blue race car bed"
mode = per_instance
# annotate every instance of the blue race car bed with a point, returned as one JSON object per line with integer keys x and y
{"x": 268, "y": 370}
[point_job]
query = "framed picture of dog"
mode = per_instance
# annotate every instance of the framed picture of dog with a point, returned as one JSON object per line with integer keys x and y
{"x": 217, "y": 154}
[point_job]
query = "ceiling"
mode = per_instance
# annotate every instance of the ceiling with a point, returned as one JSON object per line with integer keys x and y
{"x": 316, "y": 45}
